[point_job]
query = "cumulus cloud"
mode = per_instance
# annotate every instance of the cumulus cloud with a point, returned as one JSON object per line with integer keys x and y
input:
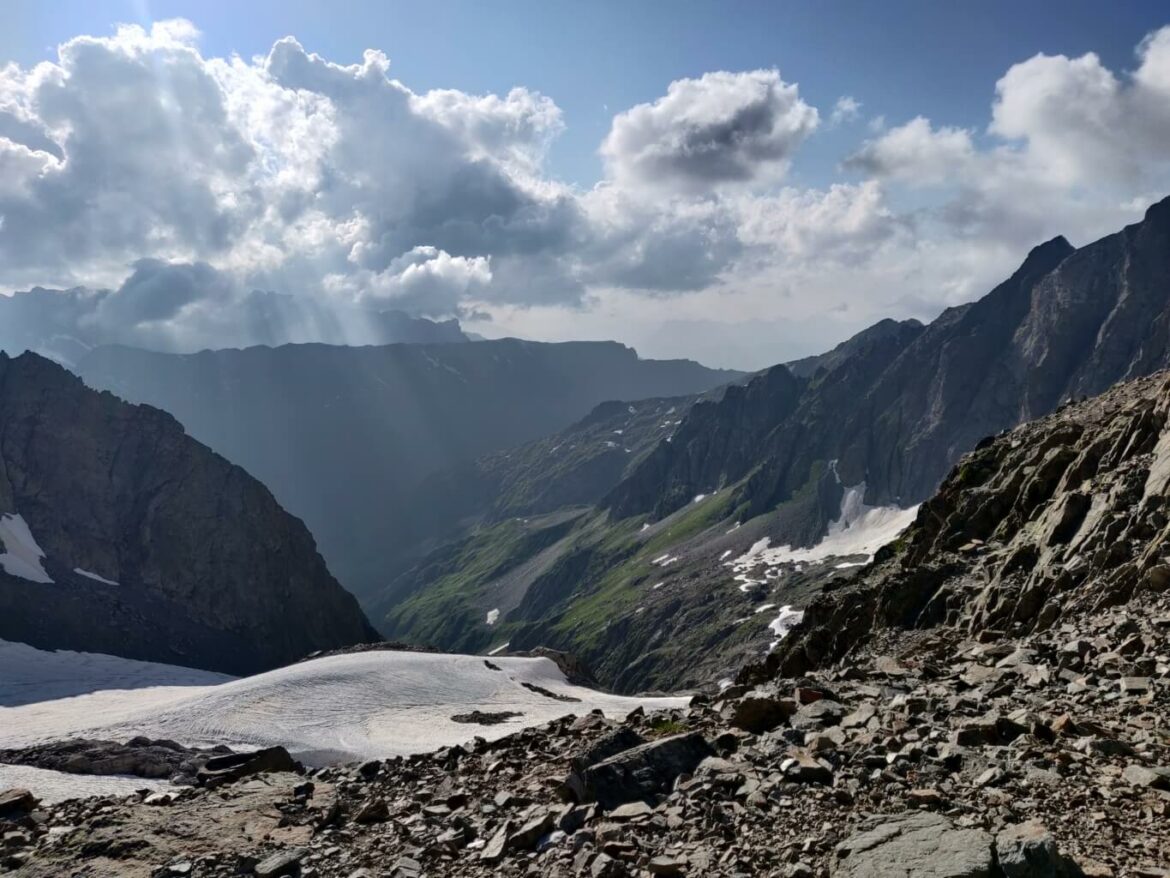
{"x": 208, "y": 201}
{"x": 916, "y": 153}
{"x": 720, "y": 128}
{"x": 846, "y": 109}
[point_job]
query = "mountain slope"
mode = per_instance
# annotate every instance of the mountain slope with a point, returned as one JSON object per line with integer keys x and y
{"x": 123, "y": 535}
{"x": 840, "y": 441}
{"x": 345, "y": 436}
{"x": 1065, "y": 515}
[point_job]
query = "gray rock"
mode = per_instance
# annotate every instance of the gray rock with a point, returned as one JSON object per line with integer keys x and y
{"x": 914, "y": 845}
{"x": 1029, "y": 851}
{"x": 646, "y": 771}
{"x": 284, "y": 864}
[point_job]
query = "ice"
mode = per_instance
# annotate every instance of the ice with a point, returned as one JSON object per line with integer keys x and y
{"x": 336, "y": 708}
{"x": 93, "y": 576}
{"x": 493, "y": 616}
{"x": 29, "y": 675}
{"x": 57, "y": 786}
{"x": 784, "y": 623}
{"x": 22, "y": 556}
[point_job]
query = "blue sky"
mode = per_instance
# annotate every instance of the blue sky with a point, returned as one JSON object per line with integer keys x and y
{"x": 676, "y": 176}
{"x": 899, "y": 59}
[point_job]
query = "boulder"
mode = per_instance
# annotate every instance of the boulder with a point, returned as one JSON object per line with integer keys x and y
{"x": 1028, "y": 850}
{"x": 16, "y": 802}
{"x": 646, "y": 771}
{"x": 225, "y": 769}
{"x": 914, "y": 845}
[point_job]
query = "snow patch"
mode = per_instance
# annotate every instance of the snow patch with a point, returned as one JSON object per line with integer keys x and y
{"x": 22, "y": 556}
{"x": 858, "y": 530}
{"x": 94, "y": 576}
{"x": 784, "y": 623}
{"x": 493, "y": 616}
{"x": 699, "y": 498}
{"x": 500, "y": 648}
{"x": 57, "y": 786}
{"x": 337, "y": 708}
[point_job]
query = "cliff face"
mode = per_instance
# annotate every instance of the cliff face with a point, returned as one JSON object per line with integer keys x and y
{"x": 123, "y": 535}
{"x": 1065, "y": 515}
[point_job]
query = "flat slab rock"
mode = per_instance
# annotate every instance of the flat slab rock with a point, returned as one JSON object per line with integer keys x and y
{"x": 915, "y": 845}
{"x": 645, "y": 771}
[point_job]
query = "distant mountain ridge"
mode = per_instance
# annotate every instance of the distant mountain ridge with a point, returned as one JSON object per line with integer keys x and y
{"x": 345, "y": 436}
{"x": 123, "y": 535}
{"x": 639, "y": 587}
{"x": 64, "y": 325}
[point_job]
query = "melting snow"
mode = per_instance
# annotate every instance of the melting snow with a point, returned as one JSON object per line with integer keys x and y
{"x": 336, "y": 708}
{"x": 22, "y": 556}
{"x": 858, "y": 530}
{"x": 493, "y": 616}
{"x": 723, "y": 557}
{"x": 764, "y": 608}
{"x": 785, "y": 622}
{"x": 500, "y": 648}
{"x": 57, "y": 786}
{"x": 93, "y": 576}
{"x": 699, "y": 498}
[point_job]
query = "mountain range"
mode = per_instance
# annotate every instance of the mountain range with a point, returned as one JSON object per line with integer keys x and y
{"x": 644, "y": 583}
{"x": 345, "y": 437}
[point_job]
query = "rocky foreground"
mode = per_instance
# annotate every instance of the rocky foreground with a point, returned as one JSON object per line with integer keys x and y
{"x": 1044, "y": 755}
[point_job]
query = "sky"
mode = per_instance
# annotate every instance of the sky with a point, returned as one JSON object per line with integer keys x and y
{"x": 738, "y": 183}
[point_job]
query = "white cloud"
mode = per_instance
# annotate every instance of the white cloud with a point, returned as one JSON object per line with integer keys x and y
{"x": 184, "y": 184}
{"x": 720, "y": 128}
{"x": 917, "y": 153}
{"x": 847, "y": 109}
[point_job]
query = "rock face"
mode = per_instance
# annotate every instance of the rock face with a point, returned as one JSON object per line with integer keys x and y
{"x": 1062, "y": 514}
{"x": 125, "y": 536}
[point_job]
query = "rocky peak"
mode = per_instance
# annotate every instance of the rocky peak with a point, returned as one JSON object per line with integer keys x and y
{"x": 125, "y": 536}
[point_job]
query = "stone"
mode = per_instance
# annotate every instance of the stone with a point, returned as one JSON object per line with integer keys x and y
{"x": 1134, "y": 685}
{"x": 630, "y": 811}
{"x": 760, "y": 713}
{"x": 803, "y": 767}
{"x": 645, "y": 771}
{"x": 494, "y": 850}
{"x": 224, "y": 769}
{"x": 667, "y": 866}
{"x": 1140, "y": 776}
{"x": 914, "y": 845}
{"x": 285, "y": 864}
{"x": 16, "y": 801}
{"x": 526, "y": 837}
{"x": 818, "y": 715}
{"x": 372, "y": 811}
{"x": 1028, "y": 850}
